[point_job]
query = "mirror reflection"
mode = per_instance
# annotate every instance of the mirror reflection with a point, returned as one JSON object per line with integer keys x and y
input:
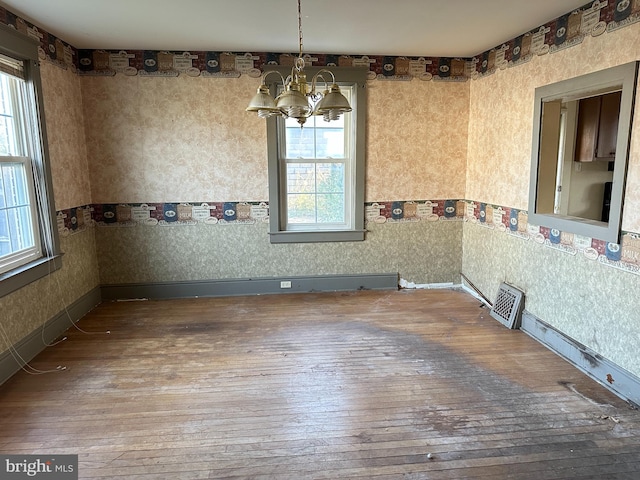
{"x": 577, "y": 151}
{"x": 581, "y": 135}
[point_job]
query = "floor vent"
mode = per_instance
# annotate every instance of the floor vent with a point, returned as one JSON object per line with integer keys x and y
{"x": 507, "y": 308}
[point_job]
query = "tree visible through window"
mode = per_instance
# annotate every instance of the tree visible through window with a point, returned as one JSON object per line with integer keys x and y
{"x": 316, "y": 190}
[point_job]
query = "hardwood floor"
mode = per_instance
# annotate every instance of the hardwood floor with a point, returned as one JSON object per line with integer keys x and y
{"x": 375, "y": 385}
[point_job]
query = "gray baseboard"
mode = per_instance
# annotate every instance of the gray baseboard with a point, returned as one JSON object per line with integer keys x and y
{"x": 250, "y": 286}
{"x": 621, "y": 382}
{"x": 34, "y": 343}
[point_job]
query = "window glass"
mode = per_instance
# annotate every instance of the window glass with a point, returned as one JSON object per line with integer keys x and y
{"x": 17, "y": 215}
{"x": 28, "y": 240}
{"x": 316, "y": 172}
{"x": 316, "y": 161}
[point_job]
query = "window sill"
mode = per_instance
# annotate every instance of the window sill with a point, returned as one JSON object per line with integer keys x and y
{"x": 318, "y": 236}
{"x": 26, "y": 274}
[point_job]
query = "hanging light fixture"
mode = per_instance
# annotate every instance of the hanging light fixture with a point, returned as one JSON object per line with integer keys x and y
{"x": 300, "y": 99}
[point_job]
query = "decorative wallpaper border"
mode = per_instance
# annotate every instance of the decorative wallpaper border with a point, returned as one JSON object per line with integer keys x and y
{"x": 592, "y": 19}
{"x": 510, "y": 221}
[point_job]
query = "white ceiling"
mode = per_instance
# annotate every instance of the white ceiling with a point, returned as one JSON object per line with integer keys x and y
{"x": 447, "y": 28}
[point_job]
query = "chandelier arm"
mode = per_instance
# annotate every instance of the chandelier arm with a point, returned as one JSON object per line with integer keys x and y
{"x": 319, "y": 75}
{"x": 267, "y": 73}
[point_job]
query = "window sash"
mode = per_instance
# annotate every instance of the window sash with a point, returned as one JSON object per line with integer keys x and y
{"x": 315, "y": 197}
{"x": 19, "y": 229}
{"x": 19, "y": 62}
{"x": 19, "y": 243}
{"x": 356, "y": 78}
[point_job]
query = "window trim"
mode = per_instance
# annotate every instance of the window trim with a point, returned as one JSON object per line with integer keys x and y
{"x": 22, "y": 47}
{"x": 277, "y": 181}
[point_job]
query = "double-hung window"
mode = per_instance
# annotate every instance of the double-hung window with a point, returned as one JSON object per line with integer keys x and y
{"x": 28, "y": 241}
{"x": 18, "y": 215}
{"x": 316, "y": 172}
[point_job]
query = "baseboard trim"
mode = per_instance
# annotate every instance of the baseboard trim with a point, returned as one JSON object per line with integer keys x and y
{"x": 621, "y": 382}
{"x": 250, "y": 286}
{"x": 34, "y": 343}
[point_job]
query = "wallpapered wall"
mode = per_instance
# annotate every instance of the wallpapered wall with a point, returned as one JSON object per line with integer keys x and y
{"x": 188, "y": 139}
{"x": 28, "y": 308}
{"x": 593, "y": 303}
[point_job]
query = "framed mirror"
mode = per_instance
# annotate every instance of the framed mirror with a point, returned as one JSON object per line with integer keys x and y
{"x": 581, "y": 133}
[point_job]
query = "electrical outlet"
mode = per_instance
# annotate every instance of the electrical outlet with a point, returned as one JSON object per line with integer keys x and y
{"x": 285, "y": 284}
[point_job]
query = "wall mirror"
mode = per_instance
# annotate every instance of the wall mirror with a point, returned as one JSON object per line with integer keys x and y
{"x": 581, "y": 134}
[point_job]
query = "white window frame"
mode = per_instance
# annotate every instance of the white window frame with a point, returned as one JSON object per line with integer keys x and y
{"x": 24, "y": 267}
{"x": 21, "y": 257}
{"x": 353, "y": 229}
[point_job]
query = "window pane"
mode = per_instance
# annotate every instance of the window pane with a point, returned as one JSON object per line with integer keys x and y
{"x": 317, "y": 139}
{"x": 299, "y": 141}
{"x": 7, "y": 116}
{"x": 301, "y": 208}
{"x": 330, "y": 177}
{"x": 15, "y": 187}
{"x": 331, "y": 208}
{"x": 6, "y": 136}
{"x": 301, "y": 178}
{"x": 2, "y": 200}
{"x": 330, "y": 138}
{"x": 5, "y": 240}
{"x": 20, "y": 233}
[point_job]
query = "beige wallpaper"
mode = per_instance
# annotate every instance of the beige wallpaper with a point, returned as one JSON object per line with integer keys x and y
{"x": 501, "y": 116}
{"x": 27, "y": 309}
{"x": 65, "y": 132}
{"x": 173, "y": 139}
{"x": 421, "y": 252}
{"x": 189, "y": 139}
{"x": 416, "y": 140}
{"x": 584, "y": 298}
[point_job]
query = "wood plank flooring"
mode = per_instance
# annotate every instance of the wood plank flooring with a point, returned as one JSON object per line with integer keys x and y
{"x": 363, "y": 385}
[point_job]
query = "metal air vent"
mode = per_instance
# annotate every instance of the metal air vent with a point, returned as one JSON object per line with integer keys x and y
{"x": 507, "y": 308}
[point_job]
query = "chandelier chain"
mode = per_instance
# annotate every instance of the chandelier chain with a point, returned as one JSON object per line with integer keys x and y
{"x": 299, "y": 29}
{"x": 299, "y": 99}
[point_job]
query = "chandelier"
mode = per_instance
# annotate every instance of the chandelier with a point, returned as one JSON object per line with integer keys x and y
{"x": 300, "y": 99}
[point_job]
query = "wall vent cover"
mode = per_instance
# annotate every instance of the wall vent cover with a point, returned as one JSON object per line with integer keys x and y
{"x": 507, "y": 308}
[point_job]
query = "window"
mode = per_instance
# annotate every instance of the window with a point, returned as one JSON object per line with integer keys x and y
{"x": 17, "y": 213}
{"x": 316, "y": 172}
{"x": 28, "y": 239}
